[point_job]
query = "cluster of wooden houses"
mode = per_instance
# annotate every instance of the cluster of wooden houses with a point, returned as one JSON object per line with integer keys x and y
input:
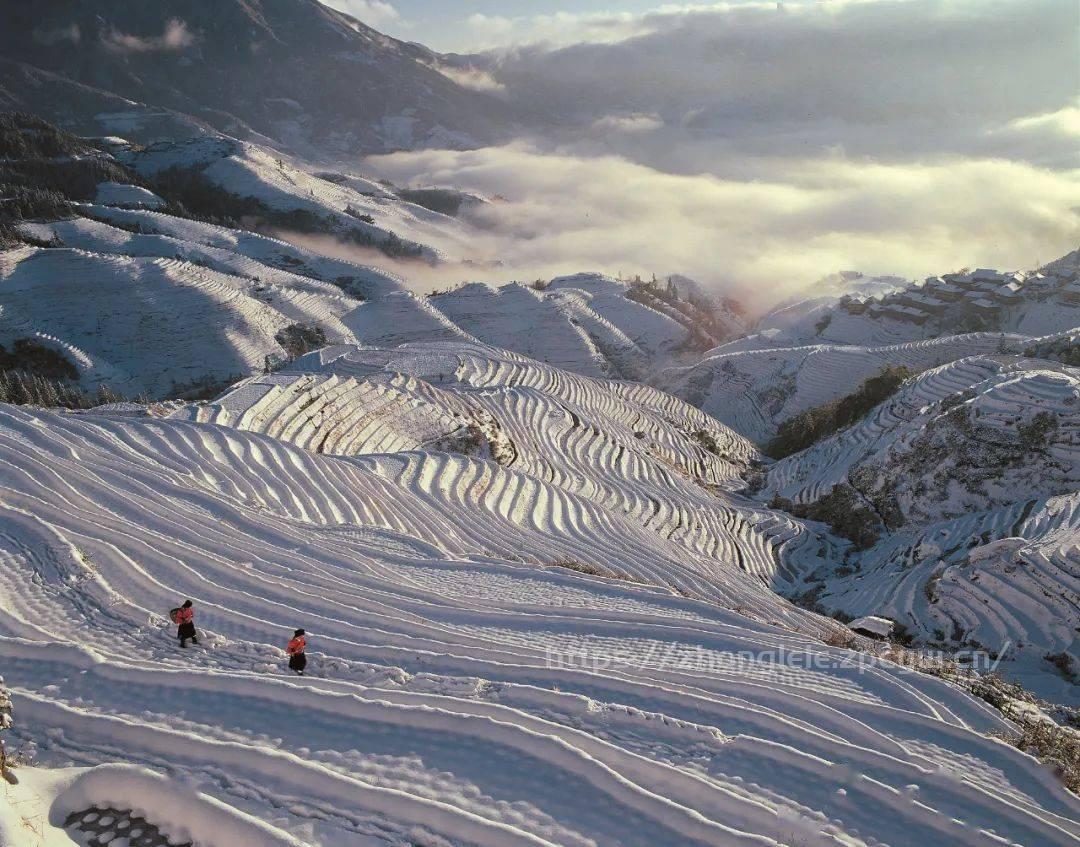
{"x": 982, "y": 293}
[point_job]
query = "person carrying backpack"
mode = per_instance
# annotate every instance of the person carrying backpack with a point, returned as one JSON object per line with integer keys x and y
{"x": 297, "y": 659}
{"x": 184, "y": 618}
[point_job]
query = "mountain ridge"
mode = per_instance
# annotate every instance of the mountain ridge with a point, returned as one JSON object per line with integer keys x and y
{"x": 308, "y": 78}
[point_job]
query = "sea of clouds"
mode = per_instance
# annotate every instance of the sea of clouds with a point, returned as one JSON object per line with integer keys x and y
{"x": 758, "y": 146}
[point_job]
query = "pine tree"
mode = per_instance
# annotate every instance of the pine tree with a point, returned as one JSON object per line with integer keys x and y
{"x": 26, "y": 389}
{"x": 51, "y": 391}
{"x": 23, "y": 389}
{"x": 107, "y": 395}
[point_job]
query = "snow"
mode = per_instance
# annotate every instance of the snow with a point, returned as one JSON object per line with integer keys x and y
{"x": 257, "y": 172}
{"x": 185, "y": 271}
{"x": 819, "y": 298}
{"x": 754, "y": 388}
{"x": 999, "y": 394}
{"x": 366, "y": 280}
{"x": 584, "y": 323}
{"x": 1037, "y": 304}
{"x": 985, "y": 552}
{"x": 127, "y": 196}
{"x": 175, "y": 809}
{"x": 37, "y": 808}
{"x": 26, "y": 808}
{"x": 519, "y": 318}
{"x": 463, "y": 687}
{"x": 176, "y": 302}
{"x": 881, "y": 627}
{"x": 121, "y": 316}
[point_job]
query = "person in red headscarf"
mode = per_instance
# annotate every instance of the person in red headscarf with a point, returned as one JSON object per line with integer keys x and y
{"x": 296, "y": 648}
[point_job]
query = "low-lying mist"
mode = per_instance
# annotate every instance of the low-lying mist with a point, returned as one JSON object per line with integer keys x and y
{"x": 758, "y": 146}
{"x": 759, "y": 237}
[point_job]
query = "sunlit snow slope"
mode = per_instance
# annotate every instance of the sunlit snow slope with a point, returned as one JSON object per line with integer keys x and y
{"x": 755, "y": 390}
{"x": 145, "y": 301}
{"x": 459, "y": 689}
{"x": 636, "y": 454}
{"x": 974, "y": 467}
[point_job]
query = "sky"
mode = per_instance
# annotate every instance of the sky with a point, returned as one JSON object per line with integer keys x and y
{"x": 467, "y": 25}
{"x": 758, "y": 146}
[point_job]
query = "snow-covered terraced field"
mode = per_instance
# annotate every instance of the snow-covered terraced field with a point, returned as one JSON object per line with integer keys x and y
{"x": 976, "y": 465}
{"x": 1005, "y": 580}
{"x": 252, "y": 171}
{"x": 585, "y": 323}
{"x": 274, "y": 284}
{"x": 1031, "y": 318}
{"x": 897, "y": 311}
{"x": 542, "y": 606}
{"x": 140, "y": 274}
{"x": 626, "y": 448}
{"x": 669, "y": 469}
{"x": 363, "y": 280}
{"x": 807, "y": 308}
{"x": 997, "y": 395}
{"x": 256, "y": 258}
{"x": 519, "y": 318}
{"x": 141, "y": 324}
{"x": 402, "y": 317}
{"x": 554, "y": 592}
{"x": 754, "y": 391}
{"x": 457, "y": 690}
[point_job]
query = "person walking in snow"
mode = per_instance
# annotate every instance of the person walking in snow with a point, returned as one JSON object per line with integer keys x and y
{"x": 184, "y": 618}
{"x": 297, "y": 659}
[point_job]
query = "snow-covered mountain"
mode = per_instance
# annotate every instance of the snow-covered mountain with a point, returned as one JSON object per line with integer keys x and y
{"x": 148, "y": 228}
{"x": 1033, "y": 303}
{"x": 254, "y": 181}
{"x": 958, "y": 491}
{"x": 147, "y": 313}
{"x": 298, "y": 74}
{"x": 1023, "y": 411}
{"x": 239, "y": 291}
{"x": 754, "y": 390}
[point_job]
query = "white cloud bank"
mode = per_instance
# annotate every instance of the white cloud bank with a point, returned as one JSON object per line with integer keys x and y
{"x": 468, "y": 77}
{"x": 762, "y": 237}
